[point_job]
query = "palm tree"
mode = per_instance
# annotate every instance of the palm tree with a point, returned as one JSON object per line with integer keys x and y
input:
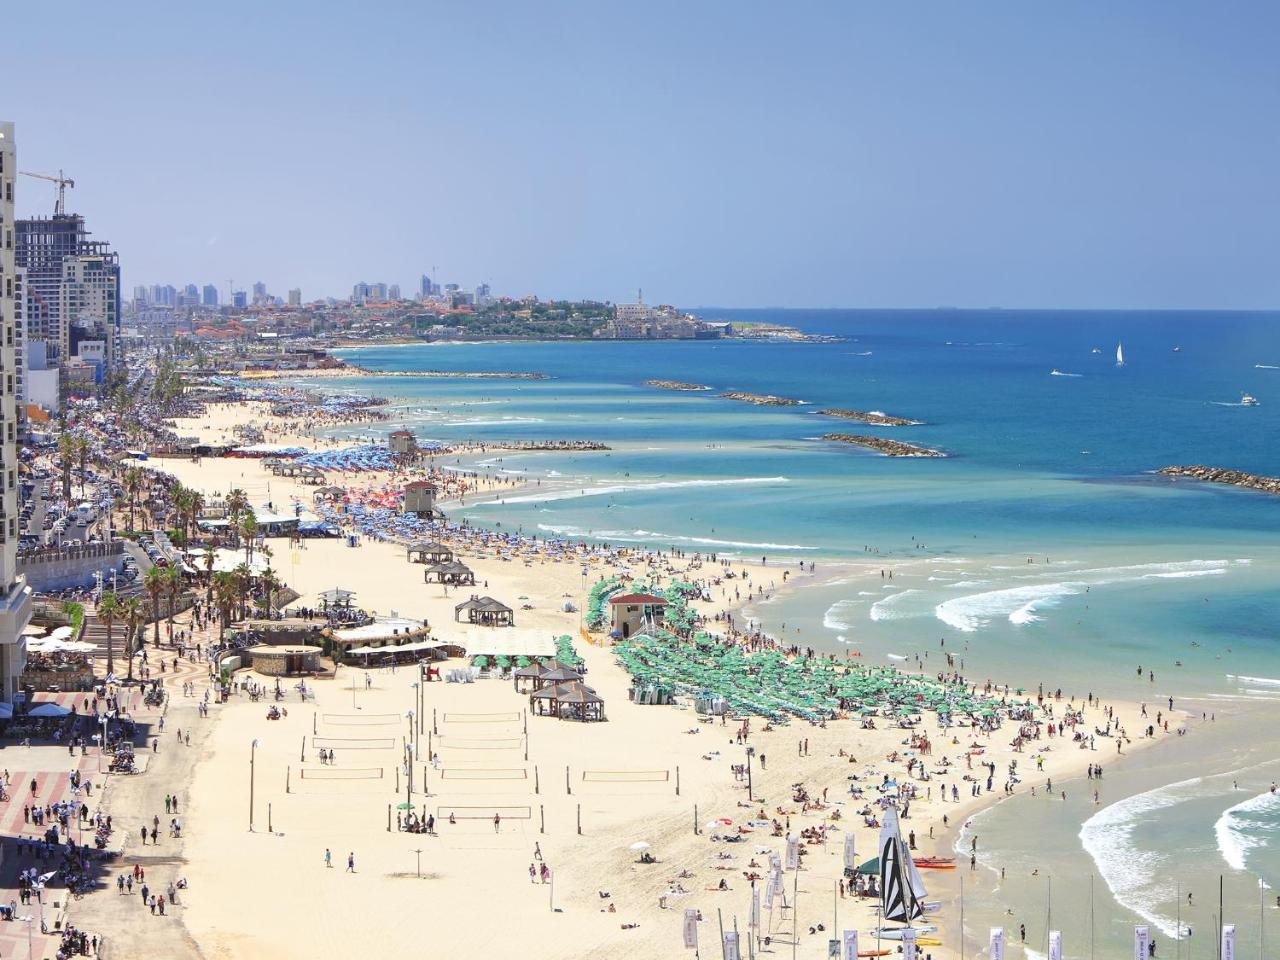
{"x": 237, "y": 503}
{"x": 154, "y": 582}
{"x": 269, "y": 583}
{"x": 132, "y": 610}
{"x": 66, "y": 450}
{"x": 132, "y": 487}
{"x": 173, "y": 589}
{"x": 82, "y": 455}
{"x": 210, "y": 557}
{"x": 108, "y": 610}
{"x": 226, "y": 593}
{"x": 248, "y": 529}
{"x": 244, "y": 581}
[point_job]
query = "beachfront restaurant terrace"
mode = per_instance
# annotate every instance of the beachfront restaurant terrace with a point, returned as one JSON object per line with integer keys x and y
{"x": 384, "y": 636}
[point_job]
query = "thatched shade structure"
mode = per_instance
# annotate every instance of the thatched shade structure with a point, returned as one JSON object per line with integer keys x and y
{"x": 485, "y": 611}
{"x": 568, "y": 701}
{"x": 430, "y": 552}
{"x": 454, "y": 572}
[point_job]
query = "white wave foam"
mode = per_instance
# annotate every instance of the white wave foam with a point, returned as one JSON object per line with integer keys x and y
{"x": 887, "y": 609}
{"x": 895, "y": 656}
{"x": 1020, "y": 604}
{"x": 572, "y": 494}
{"x": 971, "y": 612}
{"x": 1127, "y": 870}
{"x": 1265, "y": 366}
{"x": 1234, "y": 842}
{"x": 1059, "y": 373}
{"x": 650, "y": 536}
{"x": 837, "y": 615}
{"x": 1265, "y": 681}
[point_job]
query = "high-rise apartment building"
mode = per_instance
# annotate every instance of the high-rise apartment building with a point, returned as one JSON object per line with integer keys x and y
{"x": 42, "y": 244}
{"x": 15, "y": 595}
{"x": 259, "y": 293}
{"x": 210, "y": 295}
{"x": 360, "y": 292}
{"x": 378, "y": 291}
{"x": 393, "y": 292}
{"x": 425, "y": 287}
{"x": 295, "y": 297}
{"x": 239, "y": 299}
{"x": 90, "y": 312}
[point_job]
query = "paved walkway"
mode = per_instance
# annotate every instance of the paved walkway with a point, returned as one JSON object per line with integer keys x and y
{"x": 127, "y": 927}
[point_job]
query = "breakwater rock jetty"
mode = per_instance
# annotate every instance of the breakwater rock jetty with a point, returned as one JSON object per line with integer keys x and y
{"x": 890, "y": 448}
{"x": 676, "y": 385}
{"x": 874, "y": 417}
{"x": 760, "y": 399}
{"x": 1234, "y": 478}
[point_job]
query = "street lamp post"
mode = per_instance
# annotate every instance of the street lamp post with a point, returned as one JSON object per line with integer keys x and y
{"x": 253, "y": 751}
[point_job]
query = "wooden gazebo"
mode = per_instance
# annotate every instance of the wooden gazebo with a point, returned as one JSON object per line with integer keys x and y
{"x": 555, "y": 675}
{"x": 485, "y": 611}
{"x": 329, "y": 493}
{"x": 454, "y": 572}
{"x": 337, "y": 599}
{"x": 430, "y": 552}
{"x": 568, "y": 701}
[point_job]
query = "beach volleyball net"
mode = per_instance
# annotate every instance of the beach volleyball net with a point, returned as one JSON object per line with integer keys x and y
{"x": 361, "y": 719}
{"x": 354, "y": 743}
{"x": 484, "y": 813}
{"x": 626, "y": 776}
{"x": 497, "y": 743}
{"x": 480, "y": 773}
{"x": 481, "y": 718}
{"x": 341, "y": 773}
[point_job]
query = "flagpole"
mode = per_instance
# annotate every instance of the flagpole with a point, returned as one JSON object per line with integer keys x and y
{"x": 962, "y": 916}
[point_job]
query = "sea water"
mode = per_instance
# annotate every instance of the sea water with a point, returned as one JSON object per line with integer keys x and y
{"x": 1043, "y": 551}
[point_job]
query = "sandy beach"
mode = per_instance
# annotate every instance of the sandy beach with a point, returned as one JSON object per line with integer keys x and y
{"x": 577, "y": 795}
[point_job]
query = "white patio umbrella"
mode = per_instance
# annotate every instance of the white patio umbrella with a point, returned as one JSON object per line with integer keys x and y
{"x": 639, "y": 846}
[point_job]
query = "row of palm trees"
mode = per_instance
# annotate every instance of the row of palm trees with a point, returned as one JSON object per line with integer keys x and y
{"x": 113, "y": 609}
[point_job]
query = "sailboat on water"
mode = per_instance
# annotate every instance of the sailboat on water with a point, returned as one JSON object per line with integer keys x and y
{"x": 1119, "y": 354}
{"x": 902, "y": 890}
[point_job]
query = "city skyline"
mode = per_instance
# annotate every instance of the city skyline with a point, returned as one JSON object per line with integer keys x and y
{"x": 1014, "y": 158}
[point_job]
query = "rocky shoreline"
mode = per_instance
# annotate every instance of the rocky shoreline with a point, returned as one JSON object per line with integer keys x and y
{"x": 1235, "y": 478}
{"x": 874, "y": 417}
{"x": 760, "y": 399}
{"x": 676, "y": 385}
{"x": 890, "y": 448}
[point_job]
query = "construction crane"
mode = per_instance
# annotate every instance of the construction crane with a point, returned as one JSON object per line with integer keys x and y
{"x": 63, "y": 182}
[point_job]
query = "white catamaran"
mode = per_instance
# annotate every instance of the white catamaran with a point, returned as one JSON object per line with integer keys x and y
{"x": 902, "y": 890}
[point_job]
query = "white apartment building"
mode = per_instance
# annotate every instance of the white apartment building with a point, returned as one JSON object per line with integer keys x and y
{"x": 15, "y": 595}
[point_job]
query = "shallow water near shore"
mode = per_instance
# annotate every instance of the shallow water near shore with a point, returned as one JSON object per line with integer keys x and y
{"x": 1129, "y": 568}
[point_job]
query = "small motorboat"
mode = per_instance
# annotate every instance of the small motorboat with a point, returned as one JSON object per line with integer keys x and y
{"x": 1247, "y": 400}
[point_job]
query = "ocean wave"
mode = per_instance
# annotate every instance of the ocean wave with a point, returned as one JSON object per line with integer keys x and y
{"x": 836, "y": 616}
{"x": 1129, "y": 871}
{"x": 1265, "y": 366}
{"x": 887, "y": 609}
{"x": 969, "y": 613}
{"x": 1020, "y": 604}
{"x": 1265, "y": 681}
{"x": 648, "y": 536}
{"x": 641, "y": 487}
{"x": 1233, "y": 829}
{"x": 503, "y": 422}
{"x": 1059, "y": 373}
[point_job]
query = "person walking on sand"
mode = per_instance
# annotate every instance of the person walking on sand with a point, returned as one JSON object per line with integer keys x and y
{"x": 351, "y": 862}
{"x": 328, "y": 858}
{"x": 497, "y": 822}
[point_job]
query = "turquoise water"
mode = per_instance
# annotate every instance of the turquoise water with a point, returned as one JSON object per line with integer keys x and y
{"x": 1128, "y": 568}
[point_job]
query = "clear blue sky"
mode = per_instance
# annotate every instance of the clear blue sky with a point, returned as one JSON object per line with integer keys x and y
{"x": 1088, "y": 154}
